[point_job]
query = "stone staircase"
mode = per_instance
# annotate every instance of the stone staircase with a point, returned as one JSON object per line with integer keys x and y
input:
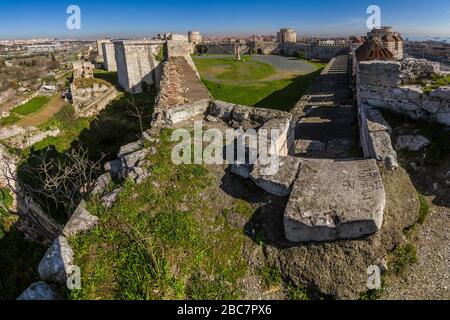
{"x": 326, "y": 123}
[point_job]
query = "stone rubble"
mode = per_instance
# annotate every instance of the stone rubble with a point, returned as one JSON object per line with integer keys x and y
{"x": 412, "y": 143}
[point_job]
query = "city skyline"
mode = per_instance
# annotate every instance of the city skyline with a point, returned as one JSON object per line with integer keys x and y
{"x": 47, "y": 19}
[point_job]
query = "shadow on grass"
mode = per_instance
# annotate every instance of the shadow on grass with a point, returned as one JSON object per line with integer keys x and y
{"x": 19, "y": 259}
{"x": 286, "y": 98}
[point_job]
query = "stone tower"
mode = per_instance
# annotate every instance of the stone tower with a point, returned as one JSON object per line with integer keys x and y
{"x": 287, "y": 35}
{"x": 194, "y": 37}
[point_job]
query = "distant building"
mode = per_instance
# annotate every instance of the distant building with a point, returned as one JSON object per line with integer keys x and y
{"x": 287, "y": 35}
{"x": 392, "y": 40}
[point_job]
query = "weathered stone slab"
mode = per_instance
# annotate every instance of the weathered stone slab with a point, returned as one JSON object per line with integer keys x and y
{"x": 382, "y": 149}
{"x": 39, "y": 291}
{"x": 276, "y": 132}
{"x": 412, "y": 143}
{"x": 129, "y": 148}
{"x": 220, "y": 109}
{"x": 114, "y": 168}
{"x": 185, "y": 112}
{"x": 442, "y": 93}
{"x": 333, "y": 200}
{"x": 375, "y": 121}
{"x": 54, "y": 267}
{"x": 138, "y": 174}
{"x": 280, "y": 181}
{"x": 101, "y": 184}
{"x": 444, "y": 118}
{"x": 242, "y": 169}
{"x": 80, "y": 221}
{"x": 241, "y": 113}
{"x": 109, "y": 199}
{"x": 132, "y": 160}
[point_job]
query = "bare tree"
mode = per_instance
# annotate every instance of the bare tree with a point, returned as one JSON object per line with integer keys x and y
{"x": 137, "y": 112}
{"x": 53, "y": 182}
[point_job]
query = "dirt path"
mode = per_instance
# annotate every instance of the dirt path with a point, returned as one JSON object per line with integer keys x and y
{"x": 429, "y": 278}
{"x": 52, "y": 107}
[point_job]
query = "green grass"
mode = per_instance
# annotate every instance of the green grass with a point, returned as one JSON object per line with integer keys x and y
{"x": 31, "y": 106}
{"x": 424, "y": 208}
{"x": 161, "y": 240}
{"x": 436, "y": 82}
{"x": 243, "y": 82}
{"x": 6, "y": 201}
{"x": 403, "y": 257}
{"x": 9, "y": 120}
{"x": 297, "y": 293}
{"x": 227, "y": 69}
{"x": 110, "y": 77}
{"x": 271, "y": 276}
{"x": 280, "y": 94}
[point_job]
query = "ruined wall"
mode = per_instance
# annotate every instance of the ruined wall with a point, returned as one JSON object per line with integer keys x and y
{"x": 109, "y": 56}
{"x": 82, "y": 97}
{"x": 384, "y": 84}
{"x": 137, "y": 64}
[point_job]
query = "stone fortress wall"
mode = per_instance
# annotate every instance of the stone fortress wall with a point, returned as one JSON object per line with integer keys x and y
{"x": 109, "y": 57}
{"x": 137, "y": 63}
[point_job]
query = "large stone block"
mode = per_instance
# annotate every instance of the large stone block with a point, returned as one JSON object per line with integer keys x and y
{"x": 276, "y": 179}
{"x": 220, "y": 109}
{"x": 39, "y": 291}
{"x": 129, "y": 148}
{"x": 276, "y": 131}
{"x": 185, "y": 112}
{"x": 442, "y": 93}
{"x": 375, "y": 121}
{"x": 382, "y": 149}
{"x": 58, "y": 259}
{"x": 444, "y": 118}
{"x": 80, "y": 221}
{"x": 412, "y": 143}
{"x": 334, "y": 200}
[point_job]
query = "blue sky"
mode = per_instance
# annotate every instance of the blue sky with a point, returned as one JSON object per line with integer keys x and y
{"x": 28, "y": 19}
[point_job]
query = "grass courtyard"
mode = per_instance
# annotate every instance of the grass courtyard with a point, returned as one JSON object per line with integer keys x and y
{"x": 256, "y": 83}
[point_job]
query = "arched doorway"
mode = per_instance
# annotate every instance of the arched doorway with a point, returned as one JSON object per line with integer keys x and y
{"x": 259, "y": 51}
